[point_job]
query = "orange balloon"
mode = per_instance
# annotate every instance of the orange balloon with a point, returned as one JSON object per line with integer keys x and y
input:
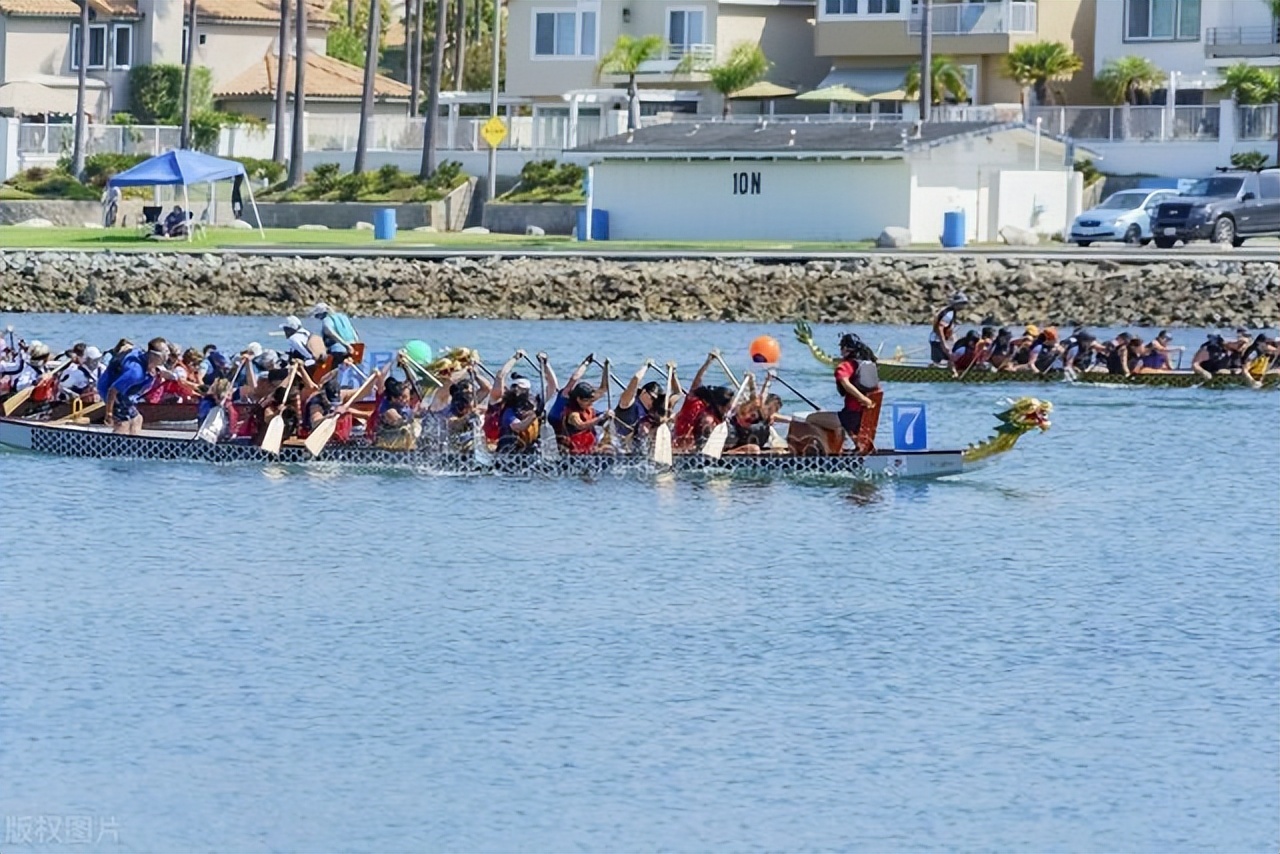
{"x": 765, "y": 349}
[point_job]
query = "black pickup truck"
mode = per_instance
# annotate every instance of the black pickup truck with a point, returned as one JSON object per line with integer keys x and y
{"x": 1225, "y": 208}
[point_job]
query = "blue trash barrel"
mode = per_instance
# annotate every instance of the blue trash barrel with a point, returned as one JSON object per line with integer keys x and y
{"x": 953, "y": 229}
{"x": 384, "y": 224}
{"x": 599, "y": 224}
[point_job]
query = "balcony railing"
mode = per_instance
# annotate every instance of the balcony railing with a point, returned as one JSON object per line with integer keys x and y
{"x": 1242, "y": 41}
{"x": 525, "y": 133}
{"x": 699, "y": 56}
{"x": 1257, "y": 123}
{"x": 1131, "y": 124}
{"x": 977, "y": 19}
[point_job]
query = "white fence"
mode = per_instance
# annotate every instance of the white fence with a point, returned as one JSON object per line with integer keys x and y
{"x": 524, "y": 133}
{"x": 1114, "y": 124}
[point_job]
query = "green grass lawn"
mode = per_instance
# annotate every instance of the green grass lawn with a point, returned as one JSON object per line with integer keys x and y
{"x": 122, "y": 239}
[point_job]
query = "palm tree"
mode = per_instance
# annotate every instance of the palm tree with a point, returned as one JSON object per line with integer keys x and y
{"x": 1251, "y": 84}
{"x": 366, "y": 93}
{"x": 745, "y": 65}
{"x": 946, "y": 81}
{"x": 1129, "y": 79}
{"x": 413, "y": 53}
{"x": 459, "y": 43}
{"x": 82, "y": 85}
{"x": 625, "y": 57}
{"x": 1036, "y": 63}
{"x": 188, "y": 61}
{"x": 433, "y": 91}
{"x": 282, "y": 82}
{"x": 296, "y": 170}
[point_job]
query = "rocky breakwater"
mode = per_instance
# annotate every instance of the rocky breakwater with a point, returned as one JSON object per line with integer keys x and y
{"x": 861, "y": 289}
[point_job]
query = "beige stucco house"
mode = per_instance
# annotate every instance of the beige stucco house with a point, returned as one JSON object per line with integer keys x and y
{"x": 871, "y": 43}
{"x": 235, "y": 40}
{"x": 554, "y": 47}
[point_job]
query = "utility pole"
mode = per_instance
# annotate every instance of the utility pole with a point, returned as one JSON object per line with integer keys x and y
{"x": 926, "y": 59}
{"x": 282, "y": 83}
{"x": 192, "y": 41}
{"x": 493, "y": 95}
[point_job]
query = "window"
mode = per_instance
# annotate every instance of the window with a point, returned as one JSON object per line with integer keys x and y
{"x": 97, "y": 46}
{"x": 1269, "y": 184}
{"x": 1163, "y": 20}
{"x": 122, "y": 46}
{"x": 684, "y": 29}
{"x": 565, "y": 33}
{"x": 842, "y": 7}
{"x": 884, "y": 7}
{"x": 970, "y": 75}
{"x": 186, "y": 37}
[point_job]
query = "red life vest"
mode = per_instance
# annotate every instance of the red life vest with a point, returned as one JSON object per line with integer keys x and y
{"x": 581, "y": 440}
{"x": 45, "y": 390}
{"x": 688, "y": 416}
{"x": 493, "y": 422}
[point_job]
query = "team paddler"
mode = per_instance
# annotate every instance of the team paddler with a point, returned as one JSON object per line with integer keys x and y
{"x": 943, "y": 330}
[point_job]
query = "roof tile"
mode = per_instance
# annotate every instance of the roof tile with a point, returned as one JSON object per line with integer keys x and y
{"x": 326, "y": 78}
{"x": 68, "y": 8}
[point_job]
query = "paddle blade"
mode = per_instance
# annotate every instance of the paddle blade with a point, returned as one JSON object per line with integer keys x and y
{"x": 12, "y": 403}
{"x": 211, "y": 428}
{"x": 547, "y": 444}
{"x": 714, "y": 446}
{"x": 480, "y": 445}
{"x": 662, "y": 445}
{"x": 320, "y": 436}
{"x": 274, "y": 438}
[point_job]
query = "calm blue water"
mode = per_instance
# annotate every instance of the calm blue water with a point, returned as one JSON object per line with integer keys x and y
{"x": 1075, "y": 649}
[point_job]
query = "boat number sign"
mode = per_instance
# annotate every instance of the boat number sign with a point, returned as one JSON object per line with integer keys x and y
{"x": 910, "y": 428}
{"x": 746, "y": 183}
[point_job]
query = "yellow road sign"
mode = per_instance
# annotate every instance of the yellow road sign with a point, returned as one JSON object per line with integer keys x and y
{"x": 494, "y": 132}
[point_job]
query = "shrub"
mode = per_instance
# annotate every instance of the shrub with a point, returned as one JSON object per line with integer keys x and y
{"x": 1254, "y": 161}
{"x": 258, "y": 170}
{"x": 98, "y": 168}
{"x": 351, "y": 187}
{"x": 46, "y": 184}
{"x": 324, "y": 177}
{"x": 155, "y": 93}
{"x": 545, "y": 180}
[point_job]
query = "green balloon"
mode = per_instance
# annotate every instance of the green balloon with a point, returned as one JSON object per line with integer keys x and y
{"x": 419, "y": 351}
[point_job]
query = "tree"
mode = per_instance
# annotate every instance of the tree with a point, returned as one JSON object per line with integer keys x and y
{"x": 433, "y": 91}
{"x": 296, "y": 171}
{"x": 1254, "y": 161}
{"x": 1129, "y": 79}
{"x": 625, "y": 57}
{"x": 1251, "y": 84}
{"x": 347, "y": 37}
{"x": 745, "y": 65}
{"x": 282, "y": 82}
{"x": 366, "y": 92}
{"x": 946, "y": 81}
{"x": 413, "y": 53}
{"x": 82, "y": 85}
{"x": 459, "y": 44}
{"x": 1034, "y": 64}
{"x": 187, "y": 62}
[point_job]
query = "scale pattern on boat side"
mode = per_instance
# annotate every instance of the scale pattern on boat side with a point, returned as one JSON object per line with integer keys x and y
{"x": 102, "y": 445}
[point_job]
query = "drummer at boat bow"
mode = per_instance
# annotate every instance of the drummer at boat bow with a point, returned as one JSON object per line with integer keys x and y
{"x": 858, "y": 381}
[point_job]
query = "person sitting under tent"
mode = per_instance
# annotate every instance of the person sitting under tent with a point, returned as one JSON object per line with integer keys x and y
{"x": 175, "y": 224}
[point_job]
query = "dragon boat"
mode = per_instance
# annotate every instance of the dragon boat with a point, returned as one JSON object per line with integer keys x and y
{"x": 896, "y": 370}
{"x": 799, "y": 459}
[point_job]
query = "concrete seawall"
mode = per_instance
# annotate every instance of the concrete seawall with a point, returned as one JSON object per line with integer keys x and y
{"x": 862, "y": 289}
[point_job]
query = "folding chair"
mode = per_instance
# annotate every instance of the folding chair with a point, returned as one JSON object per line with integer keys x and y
{"x": 150, "y": 218}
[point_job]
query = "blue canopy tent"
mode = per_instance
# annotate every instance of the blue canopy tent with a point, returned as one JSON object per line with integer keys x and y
{"x": 184, "y": 167}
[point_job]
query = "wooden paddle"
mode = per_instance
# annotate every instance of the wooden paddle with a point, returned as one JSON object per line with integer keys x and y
{"x": 79, "y": 411}
{"x": 662, "y": 434}
{"x": 274, "y": 436}
{"x": 15, "y": 400}
{"x": 323, "y": 431}
{"x": 548, "y": 445}
{"x": 216, "y": 421}
{"x": 714, "y": 446}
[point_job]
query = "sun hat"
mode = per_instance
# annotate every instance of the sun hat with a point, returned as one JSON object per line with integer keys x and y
{"x": 38, "y": 350}
{"x": 93, "y": 353}
{"x": 319, "y": 309}
{"x": 291, "y": 322}
{"x": 522, "y": 383}
{"x": 1032, "y": 330}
